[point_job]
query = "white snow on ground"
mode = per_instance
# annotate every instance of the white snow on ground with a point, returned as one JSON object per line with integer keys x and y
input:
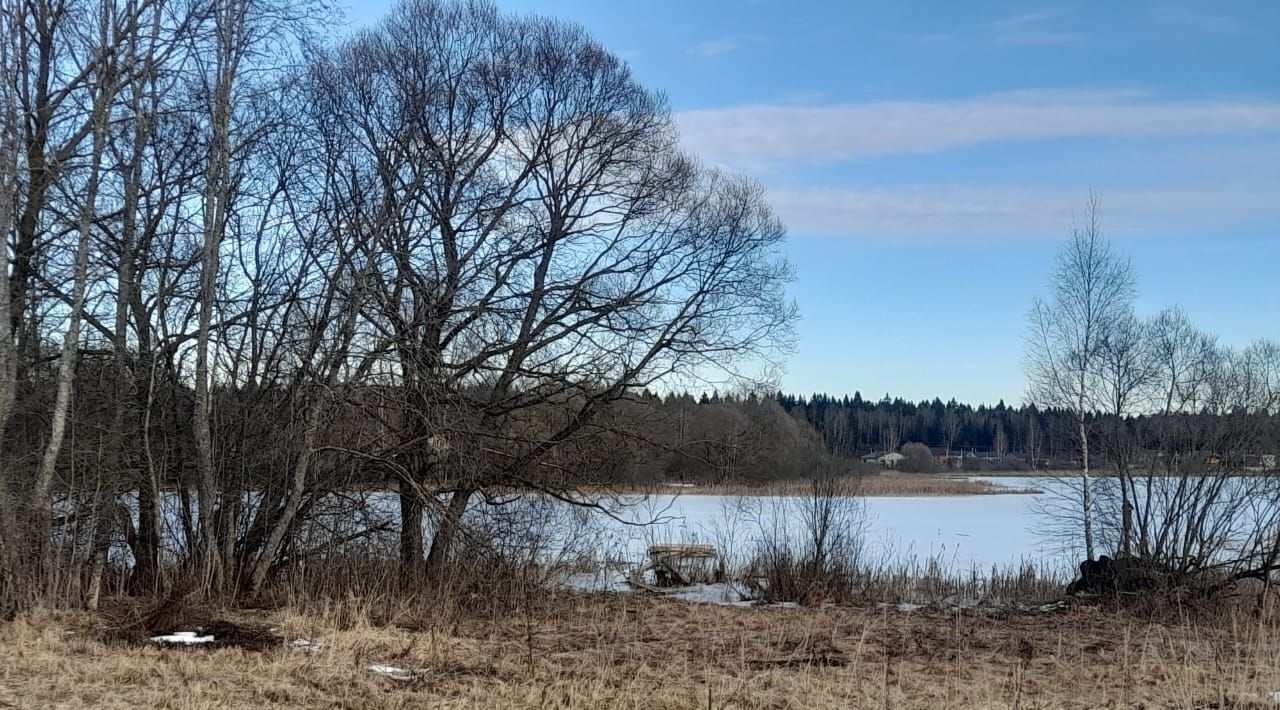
{"x": 615, "y": 580}
{"x": 301, "y": 644}
{"x": 736, "y": 594}
{"x": 395, "y": 673}
{"x": 905, "y": 607}
{"x": 183, "y": 637}
{"x": 721, "y": 593}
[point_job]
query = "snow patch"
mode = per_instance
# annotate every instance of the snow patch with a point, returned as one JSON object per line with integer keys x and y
{"x": 396, "y": 673}
{"x": 307, "y": 645}
{"x": 904, "y": 607}
{"x": 720, "y": 593}
{"x": 187, "y": 638}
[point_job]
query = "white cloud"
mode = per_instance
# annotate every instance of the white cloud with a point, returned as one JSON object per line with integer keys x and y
{"x": 724, "y": 45}
{"x": 974, "y": 213}
{"x": 1031, "y": 28}
{"x": 1203, "y": 21}
{"x": 757, "y": 137}
{"x": 715, "y": 47}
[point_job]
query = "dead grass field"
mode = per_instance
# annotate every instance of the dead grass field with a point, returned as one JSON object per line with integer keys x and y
{"x": 619, "y": 652}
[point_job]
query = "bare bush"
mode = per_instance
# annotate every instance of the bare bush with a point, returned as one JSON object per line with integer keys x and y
{"x": 809, "y": 546}
{"x": 919, "y": 459}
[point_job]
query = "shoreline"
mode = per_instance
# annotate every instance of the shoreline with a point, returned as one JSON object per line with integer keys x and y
{"x": 876, "y": 485}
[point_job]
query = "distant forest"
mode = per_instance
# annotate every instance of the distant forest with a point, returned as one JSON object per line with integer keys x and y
{"x": 745, "y": 438}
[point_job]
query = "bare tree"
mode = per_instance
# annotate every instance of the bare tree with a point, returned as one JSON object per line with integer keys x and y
{"x": 9, "y": 149}
{"x": 456, "y": 270}
{"x": 541, "y": 248}
{"x": 1181, "y": 417}
{"x": 890, "y": 431}
{"x": 230, "y": 43}
{"x": 950, "y": 426}
{"x": 1035, "y": 441}
{"x": 1092, "y": 289}
{"x": 1125, "y": 369}
{"x": 102, "y": 94}
{"x": 243, "y": 53}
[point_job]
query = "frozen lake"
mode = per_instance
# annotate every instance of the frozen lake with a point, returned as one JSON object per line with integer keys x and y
{"x": 960, "y": 532}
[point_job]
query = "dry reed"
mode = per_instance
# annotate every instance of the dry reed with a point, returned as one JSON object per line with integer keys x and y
{"x": 628, "y": 652}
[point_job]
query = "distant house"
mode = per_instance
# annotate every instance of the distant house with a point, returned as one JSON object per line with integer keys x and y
{"x": 946, "y": 458}
{"x": 1259, "y": 463}
{"x": 891, "y": 459}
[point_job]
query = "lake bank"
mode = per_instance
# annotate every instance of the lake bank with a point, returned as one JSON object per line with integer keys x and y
{"x": 887, "y": 483}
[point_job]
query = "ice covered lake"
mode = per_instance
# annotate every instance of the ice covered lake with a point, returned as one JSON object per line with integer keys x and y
{"x": 973, "y": 532}
{"x": 961, "y": 533}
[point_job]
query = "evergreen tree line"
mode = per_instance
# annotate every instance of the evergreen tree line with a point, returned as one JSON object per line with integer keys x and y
{"x": 709, "y": 436}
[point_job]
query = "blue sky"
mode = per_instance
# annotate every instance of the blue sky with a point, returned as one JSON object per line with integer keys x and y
{"x": 927, "y": 158}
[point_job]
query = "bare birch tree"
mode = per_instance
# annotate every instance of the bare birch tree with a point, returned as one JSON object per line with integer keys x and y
{"x": 1092, "y": 290}
{"x": 102, "y": 98}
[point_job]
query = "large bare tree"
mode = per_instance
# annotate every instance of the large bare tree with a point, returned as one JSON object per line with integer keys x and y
{"x": 450, "y": 253}
{"x": 541, "y": 248}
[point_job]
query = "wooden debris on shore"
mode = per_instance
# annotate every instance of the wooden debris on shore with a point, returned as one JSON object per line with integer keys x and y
{"x": 679, "y": 565}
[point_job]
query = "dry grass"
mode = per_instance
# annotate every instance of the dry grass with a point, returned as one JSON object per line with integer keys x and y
{"x": 621, "y": 652}
{"x": 888, "y": 483}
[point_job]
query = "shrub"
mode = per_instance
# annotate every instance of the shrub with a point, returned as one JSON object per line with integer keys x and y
{"x": 919, "y": 459}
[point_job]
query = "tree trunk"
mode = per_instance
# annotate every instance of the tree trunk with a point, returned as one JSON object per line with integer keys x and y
{"x": 1087, "y": 490}
{"x": 411, "y": 511}
{"x": 41, "y": 505}
{"x": 217, "y": 195}
{"x": 297, "y": 487}
{"x": 1126, "y": 513}
{"x": 1128, "y": 494}
{"x": 146, "y": 545}
{"x": 8, "y": 355}
{"x": 103, "y": 520}
{"x": 146, "y": 550}
{"x": 442, "y": 541}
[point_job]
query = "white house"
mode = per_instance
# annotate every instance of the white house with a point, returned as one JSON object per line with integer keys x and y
{"x": 891, "y": 459}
